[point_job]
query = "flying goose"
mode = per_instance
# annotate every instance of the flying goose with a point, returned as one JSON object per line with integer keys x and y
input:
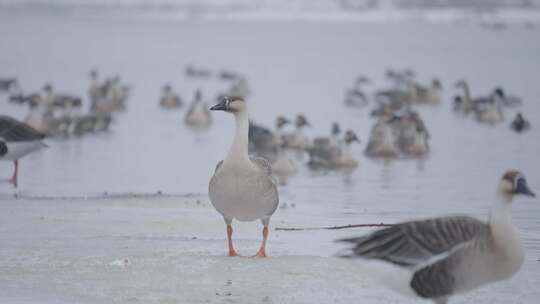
{"x": 17, "y": 139}
{"x": 242, "y": 187}
{"x": 440, "y": 257}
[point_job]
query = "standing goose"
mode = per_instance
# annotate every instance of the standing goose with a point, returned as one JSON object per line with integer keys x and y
{"x": 17, "y": 139}
{"x": 241, "y": 187}
{"x": 440, "y": 257}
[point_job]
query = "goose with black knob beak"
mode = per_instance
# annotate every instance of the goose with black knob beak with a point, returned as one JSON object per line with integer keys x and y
{"x": 242, "y": 187}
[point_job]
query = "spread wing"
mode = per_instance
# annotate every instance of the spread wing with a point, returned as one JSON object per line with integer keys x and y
{"x": 414, "y": 243}
{"x": 14, "y": 130}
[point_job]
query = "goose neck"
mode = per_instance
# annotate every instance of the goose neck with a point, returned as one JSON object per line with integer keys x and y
{"x": 239, "y": 149}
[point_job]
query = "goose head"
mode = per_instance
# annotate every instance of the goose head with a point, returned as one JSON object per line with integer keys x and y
{"x": 301, "y": 121}
{"x": 281, "y": 122}
{"x": 514, "y": 183}
{"x": 350, "y": 137}
{"x": 230, "y": 104}
{"x": 458, "y": 100}
{"x": 499, "y": 93}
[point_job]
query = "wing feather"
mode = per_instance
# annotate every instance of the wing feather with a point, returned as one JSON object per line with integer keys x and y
{"x": 413, "y": 243}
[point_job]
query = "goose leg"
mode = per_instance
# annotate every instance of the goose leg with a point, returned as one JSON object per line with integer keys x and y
{"x": 262, "y": 251}
{"x": 14, "y": 178}
{"x": 232, "y": 252}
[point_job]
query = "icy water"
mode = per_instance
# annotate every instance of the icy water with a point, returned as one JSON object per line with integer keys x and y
{"x": 57, "y": 247}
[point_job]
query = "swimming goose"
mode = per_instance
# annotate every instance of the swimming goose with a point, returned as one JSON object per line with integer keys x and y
{"x": 198, "y": 115}
{"x": 489, "y": 112}
{"x": 325, "y": 149}
{"x": 297, "y": 140}
{"x": 520, "y": 124}
{"x": 169, "y": 99}
{"x": 17, "y": 140}
{"x": 429, "y": 95}
{"x": 382, "y": 140}
{"x": 283, "y": 166}
{"x": 195, "y": 72}
{"x": 334, "y": 157}
{"x": 469, "y": 103}
{"x": 412, "y": 134}
{"x": 440, "y": 257}
{"x": 505, "y": 100}
{"x": 242, "y": 187}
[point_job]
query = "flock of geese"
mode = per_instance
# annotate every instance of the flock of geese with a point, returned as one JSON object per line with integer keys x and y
{"x": 431, "y": 258}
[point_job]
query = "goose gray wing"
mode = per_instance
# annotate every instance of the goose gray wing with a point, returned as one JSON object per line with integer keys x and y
{"x": 414, "y": 243}
{"x": 15, "y": 131}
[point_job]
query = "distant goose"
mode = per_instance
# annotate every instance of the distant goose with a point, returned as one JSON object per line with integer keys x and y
{"x": 169, "y": 99}
{"x": 383, "y": 140}
{"x": 263, "y": 142}
{"x": 412, "y": 135}
{"x": 506, "y": 100}
{"x": 8, "y": 84}
{"x": 468, "y": 103}
{"x": 282, "y": 166}
{"x": 489, "y": 112}
{"x": 298, "y": 140}
{"x": 195, "y": 72}
{"x": 330, "y": 156}
{"x": 520, "y": 124}
{"x": 429, "y": 95}
{"x": 440, "y": 257}
{"x": 198, "y": 115}
{"x": 324, "y": 149}
{"x": 17, "y": 139}
{"x": 355, "y": 96}
{"x": 242, "y": 187}
{"x": 229, "y": 75}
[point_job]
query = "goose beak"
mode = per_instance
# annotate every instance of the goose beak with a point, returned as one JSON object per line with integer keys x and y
{"x": 221, "y": 106}
{"x": 522, "y": 188}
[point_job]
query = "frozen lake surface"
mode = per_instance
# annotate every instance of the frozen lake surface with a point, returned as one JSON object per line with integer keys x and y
{"x": 58, "y": 247}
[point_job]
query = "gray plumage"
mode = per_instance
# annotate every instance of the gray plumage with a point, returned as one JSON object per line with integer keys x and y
{"x": 12, "y": 130}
